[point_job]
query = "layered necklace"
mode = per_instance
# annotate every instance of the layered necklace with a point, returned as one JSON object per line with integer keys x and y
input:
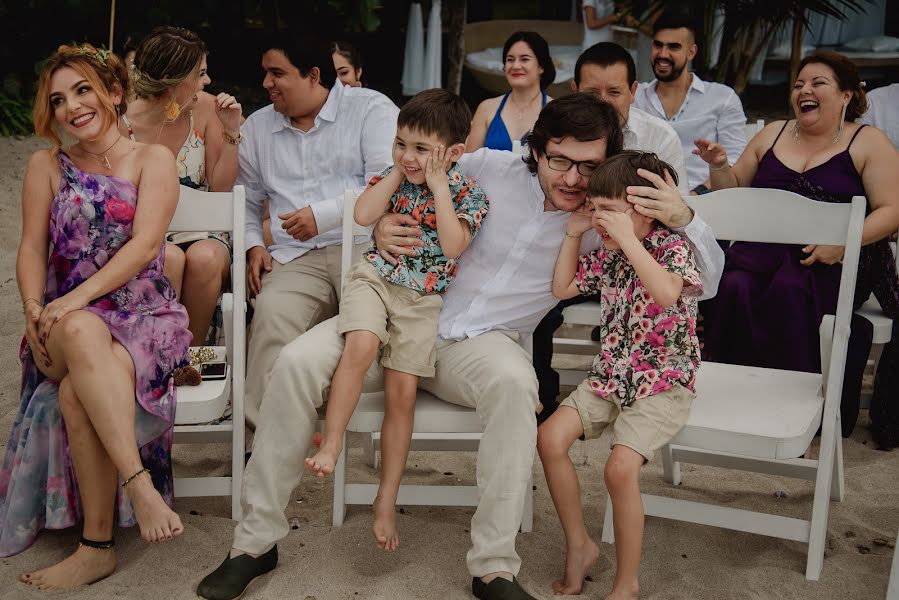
{"x": 102, "y": 157}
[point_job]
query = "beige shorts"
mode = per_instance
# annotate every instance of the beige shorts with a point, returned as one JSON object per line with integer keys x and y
{"x": 644, "y": 426}
{"x": 404, "y": 319}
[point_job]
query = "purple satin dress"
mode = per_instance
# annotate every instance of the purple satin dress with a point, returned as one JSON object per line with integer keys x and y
{"x": 769, "y": 306}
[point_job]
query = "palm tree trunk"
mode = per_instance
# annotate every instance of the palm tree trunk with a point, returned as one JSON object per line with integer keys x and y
{"x": 796, "y": 51}
{"x": 455, "y": 51}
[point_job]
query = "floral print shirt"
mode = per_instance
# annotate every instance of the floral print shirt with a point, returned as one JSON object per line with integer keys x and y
{"x": 429, "y": 271}
{"x": 645, "y": 349}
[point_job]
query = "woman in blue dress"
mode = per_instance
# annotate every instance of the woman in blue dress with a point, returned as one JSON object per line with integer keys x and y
{"x": 103, "y": 332}
{"x": 529, "y": 71}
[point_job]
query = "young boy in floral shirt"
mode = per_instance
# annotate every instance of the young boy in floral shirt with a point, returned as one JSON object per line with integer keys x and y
{"x": 394, "y": 307}
{"x": 641, "y": 383}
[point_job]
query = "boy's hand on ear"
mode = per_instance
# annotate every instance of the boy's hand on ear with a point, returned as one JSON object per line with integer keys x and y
{"x": 618, "y": 225}
{"x": 439, "y": 162}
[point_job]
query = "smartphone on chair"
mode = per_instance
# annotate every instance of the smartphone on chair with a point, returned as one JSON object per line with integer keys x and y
{"x": 211, "y": 371}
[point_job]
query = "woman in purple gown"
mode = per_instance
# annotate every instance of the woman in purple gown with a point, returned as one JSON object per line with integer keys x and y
{"x": 772, "y": 297}
{"x": 103, "y": 331}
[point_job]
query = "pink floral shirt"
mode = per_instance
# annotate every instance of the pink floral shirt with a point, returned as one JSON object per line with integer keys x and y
{"x": 646, "y": 349}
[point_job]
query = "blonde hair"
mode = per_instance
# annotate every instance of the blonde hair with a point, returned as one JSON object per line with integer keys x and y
{"x": 103, "y": 70}
{"x": 164, "y": 59}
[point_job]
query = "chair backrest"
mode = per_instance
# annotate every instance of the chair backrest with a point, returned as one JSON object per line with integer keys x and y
{"x": 777, "y": 216}
{"x": 754, "y": 128}
{"x": 223, "y": 211}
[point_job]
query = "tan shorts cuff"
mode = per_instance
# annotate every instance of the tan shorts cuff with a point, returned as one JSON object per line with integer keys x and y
{"x": 404, "y": 366}
{"x": 344, "y": 328}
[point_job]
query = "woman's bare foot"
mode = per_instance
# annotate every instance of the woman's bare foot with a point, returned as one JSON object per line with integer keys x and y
{"x": 577, "y": 562}
{"x": 624, "y": 592}
{"x": 157, "y": 521}
{"x": 86, "y": 565}
{"x": 384, "y": 526}
{"x": 322, "y": 462}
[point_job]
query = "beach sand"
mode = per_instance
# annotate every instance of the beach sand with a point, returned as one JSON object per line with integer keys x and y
{"x": 319, "y": 562}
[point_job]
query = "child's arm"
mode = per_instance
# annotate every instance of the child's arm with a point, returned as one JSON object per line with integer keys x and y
{"x": 565, "y": 275}
{"x": 664, "y": 287}
{"x": 375, "y": 200}
{"x": 453, "y": 233}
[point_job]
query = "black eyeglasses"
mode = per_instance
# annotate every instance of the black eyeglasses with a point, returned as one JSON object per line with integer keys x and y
{"x": 560, "y": 163}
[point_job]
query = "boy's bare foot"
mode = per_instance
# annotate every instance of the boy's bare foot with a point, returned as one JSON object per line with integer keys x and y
{"x": 323, "y": 462}
{"x": 384, "y": 526}
{"x": 86, "y": 565}
{"x": 157, "y": 521}
{"x": 577, "y": 562}
{"x": 624, "y": 592}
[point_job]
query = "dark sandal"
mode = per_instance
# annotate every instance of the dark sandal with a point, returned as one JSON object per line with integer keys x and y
{"x": 232, "y": 577}
{"x": 499, "y": 589}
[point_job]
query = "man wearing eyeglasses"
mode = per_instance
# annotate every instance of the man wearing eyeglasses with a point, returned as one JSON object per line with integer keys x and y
{"x": 502, "y": 290}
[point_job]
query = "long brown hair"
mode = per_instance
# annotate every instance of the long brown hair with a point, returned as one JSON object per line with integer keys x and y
{"x": 105, "y": 73}
{"x": 164, "y": 59}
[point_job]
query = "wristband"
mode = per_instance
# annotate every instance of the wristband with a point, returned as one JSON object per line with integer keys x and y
{"x": 726, "y": 165}
{"x": 701, "y": 189}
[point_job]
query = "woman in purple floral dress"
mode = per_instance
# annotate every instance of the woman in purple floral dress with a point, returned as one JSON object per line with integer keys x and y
{"x": 103, "y": 331}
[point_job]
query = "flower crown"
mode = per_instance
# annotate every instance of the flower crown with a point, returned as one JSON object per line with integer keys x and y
{"x": 102, "y": 53}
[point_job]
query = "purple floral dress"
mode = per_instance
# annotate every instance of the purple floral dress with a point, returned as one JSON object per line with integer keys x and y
{"x": 90, "y": 220}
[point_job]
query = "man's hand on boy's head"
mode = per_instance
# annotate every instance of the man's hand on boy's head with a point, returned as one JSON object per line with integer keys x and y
{"x": 396, "y": 235}
{"x": 662, "y": 202}
{"x": 618, "y": 225}
{"x": 439, "y": 163}
{"x": 300, "y": 224}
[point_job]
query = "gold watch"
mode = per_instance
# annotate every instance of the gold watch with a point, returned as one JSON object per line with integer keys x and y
{"x": 231, "y": 139}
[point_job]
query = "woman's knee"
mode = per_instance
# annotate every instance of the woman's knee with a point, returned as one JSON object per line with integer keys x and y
{"x": 173, "y": 266}
{"x": 204, "y": 259}
{"x": 78, "y": 329}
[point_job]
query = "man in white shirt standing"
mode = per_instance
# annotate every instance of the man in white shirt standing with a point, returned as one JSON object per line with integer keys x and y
{"x": 608, "y": 71}
{"x": 502, "y": 290}
{"x": 694, "y": 108}
{"x": 314, "y": 141}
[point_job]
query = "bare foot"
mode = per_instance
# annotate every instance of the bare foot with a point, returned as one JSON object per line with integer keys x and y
{"x": 157, "y": 521}
{"x": 624, "y": 592}
{"x": 384, "y": 526}
{"x": 577, "y": 562}
{"x": 322, "y": 462}
{"x": 86, "y": 565}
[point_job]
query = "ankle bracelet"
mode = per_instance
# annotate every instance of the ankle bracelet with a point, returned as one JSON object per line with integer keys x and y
{"x": 98, "y": 545}
{"x": 130, "y": 479}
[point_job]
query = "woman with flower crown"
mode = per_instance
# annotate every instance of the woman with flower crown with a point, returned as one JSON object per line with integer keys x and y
{"x": 202, "y": 132}
{"x": 103, "y": 330}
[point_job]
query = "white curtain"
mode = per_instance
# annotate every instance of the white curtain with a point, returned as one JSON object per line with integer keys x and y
{"x": 432, "y": 63}
{"x": 413, "y": 60}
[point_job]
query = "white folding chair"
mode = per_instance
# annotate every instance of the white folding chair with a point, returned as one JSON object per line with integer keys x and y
{"x": 893, "y": 585}
{"x": 201, "y": 410}
{"x": 754, "y": 128}
{"x": 438, "y": 425}
{"x": 762, "y": 420}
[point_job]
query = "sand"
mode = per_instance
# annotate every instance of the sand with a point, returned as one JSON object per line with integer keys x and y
{"x": 681, "y": 561}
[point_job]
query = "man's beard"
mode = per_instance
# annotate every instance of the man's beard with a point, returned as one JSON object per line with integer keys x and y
{"x": 672, "y": 76}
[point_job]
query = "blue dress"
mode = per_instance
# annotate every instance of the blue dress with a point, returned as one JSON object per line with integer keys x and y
{"x": 497, "y": 135}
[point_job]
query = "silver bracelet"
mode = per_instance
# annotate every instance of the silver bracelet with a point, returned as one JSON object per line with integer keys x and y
{"x": 576, "y": 237}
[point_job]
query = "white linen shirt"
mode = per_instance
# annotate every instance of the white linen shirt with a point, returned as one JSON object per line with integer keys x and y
{"x": 883, "y": 111}
{"x": 505, "y": 277}
{"x": 647, "y": 133}
{"x": 351, "y": 140}
{"x": 712, "y": 111}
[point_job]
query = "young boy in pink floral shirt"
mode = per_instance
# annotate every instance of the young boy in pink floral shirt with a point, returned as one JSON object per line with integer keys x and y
{"x": 641, "y": 383}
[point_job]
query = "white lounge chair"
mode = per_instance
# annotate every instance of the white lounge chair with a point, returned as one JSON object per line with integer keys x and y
{"x": 438, "y": 425}
{"x": 762, "y": 420}
{"x": 200, "y": 416}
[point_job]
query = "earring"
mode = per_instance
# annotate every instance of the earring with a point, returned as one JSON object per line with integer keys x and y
{"x": 794, "y": 132}
{"x": 842, "y": 122}
{"x": 172, "y": 111}
{"x": 357, "y": 84}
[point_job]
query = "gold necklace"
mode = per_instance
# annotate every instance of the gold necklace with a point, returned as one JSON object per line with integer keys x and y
{"x": 101, "y": 157}
{"x": 526, "y": 106}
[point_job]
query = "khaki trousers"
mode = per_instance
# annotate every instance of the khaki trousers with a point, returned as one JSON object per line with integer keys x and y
{"x": 490, "y": 373}
{"x": 295, "y": 296}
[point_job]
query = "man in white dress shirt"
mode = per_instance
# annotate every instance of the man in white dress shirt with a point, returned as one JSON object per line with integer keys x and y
{"x": 883, "y": 111}
{"x": 694, "y": 108}
{"x": 608, "y": 71}
{"x": 502, "y": 290}
{"x": 314, "y": 141}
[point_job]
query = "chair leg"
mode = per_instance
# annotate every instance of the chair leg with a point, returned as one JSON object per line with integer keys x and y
{"x": 527, "y": 517}
{"x": 340, "y": 486}
{"x": 838, "y": 483}
{"x": 608, "y": 527}
{"x": 670, "y": 467}
{"x": 370, "y": 450}
{"x": 821, "y": 502}
{"x": 893, "y": 585}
